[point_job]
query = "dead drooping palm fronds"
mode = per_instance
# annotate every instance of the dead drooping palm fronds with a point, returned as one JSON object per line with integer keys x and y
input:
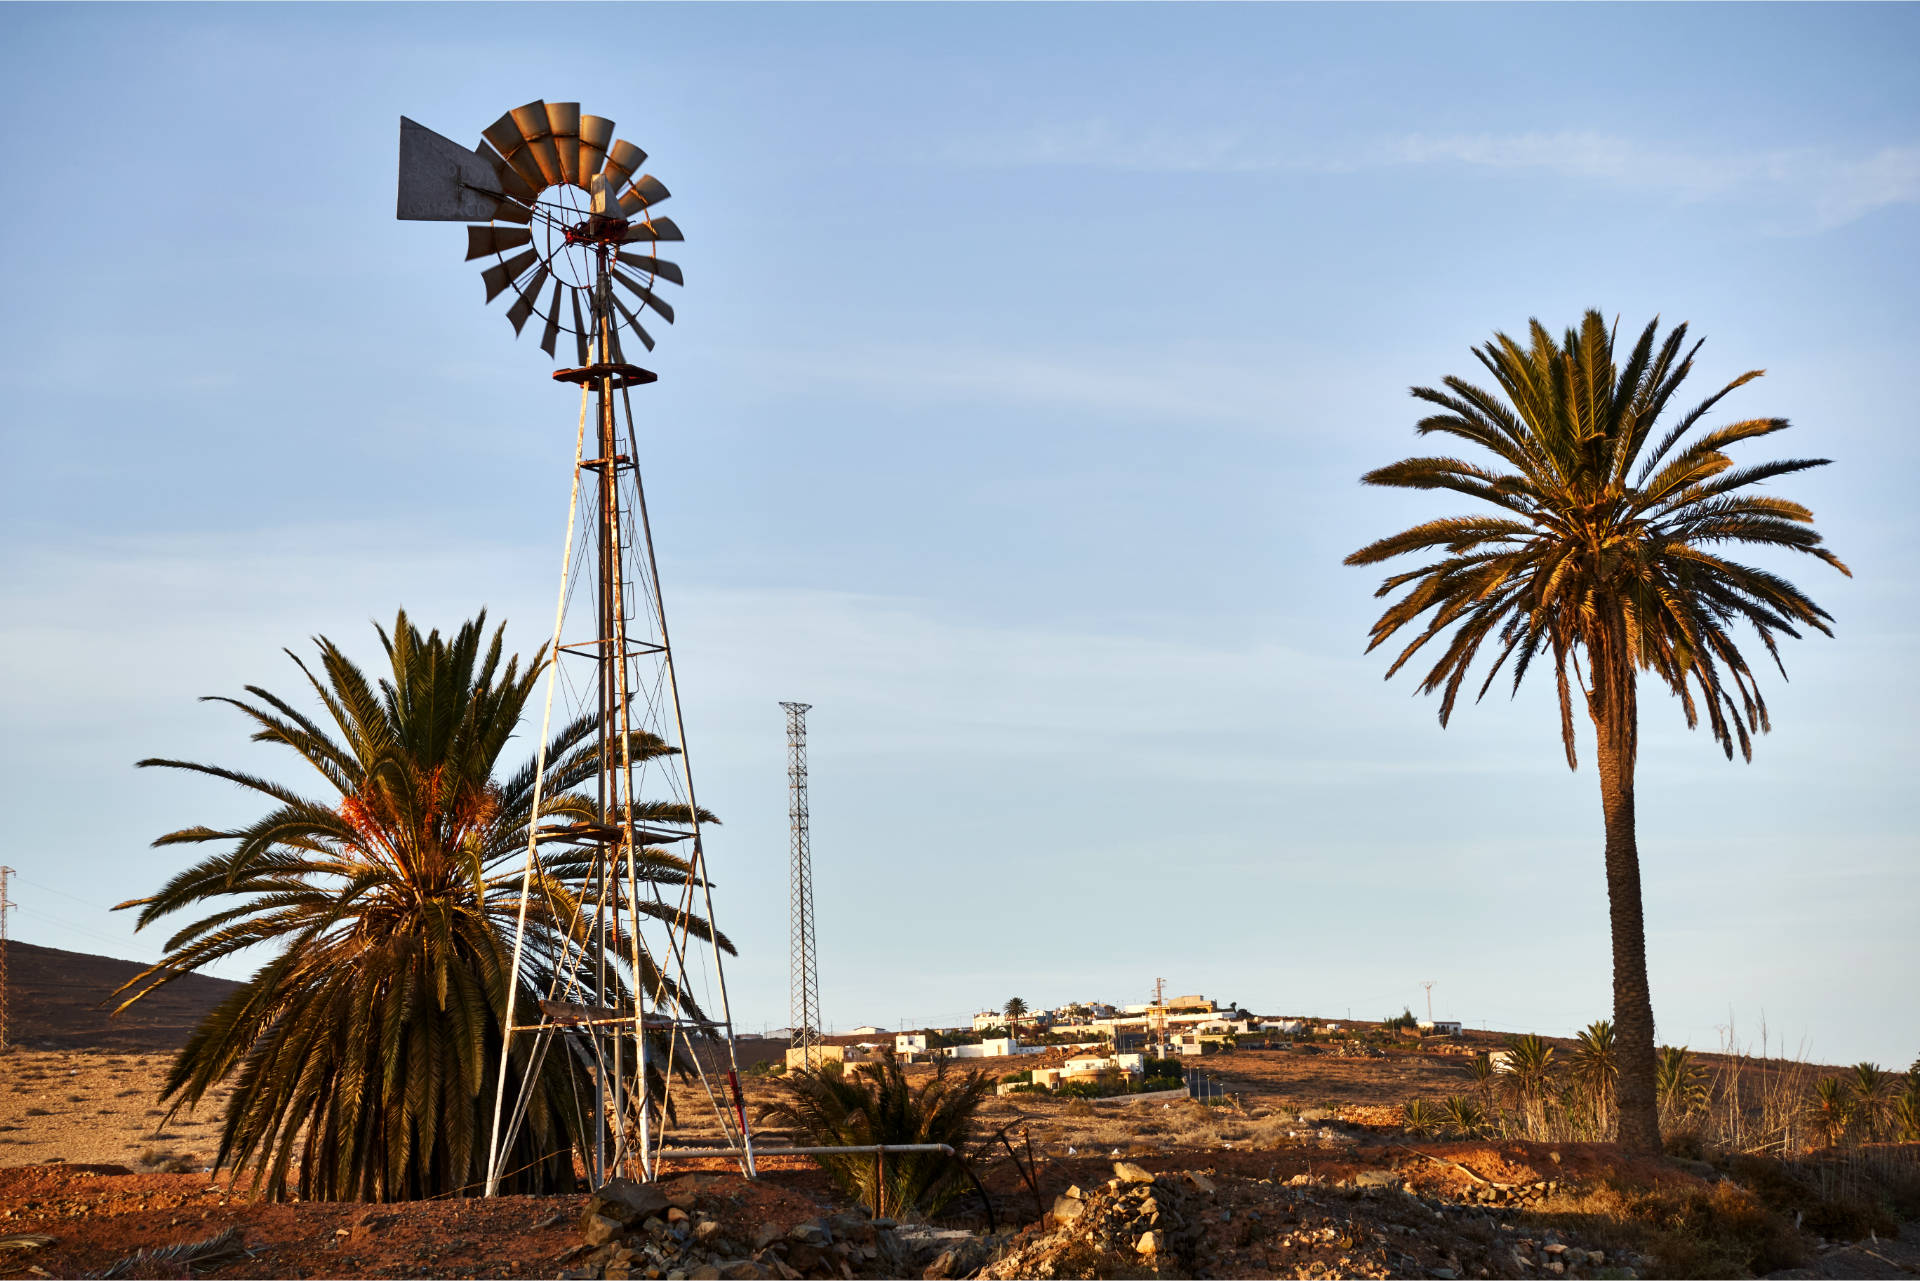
{"x": 186, "y": 1256}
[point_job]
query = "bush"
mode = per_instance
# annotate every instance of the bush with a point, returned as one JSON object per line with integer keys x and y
{"x": 874, "y": 1104}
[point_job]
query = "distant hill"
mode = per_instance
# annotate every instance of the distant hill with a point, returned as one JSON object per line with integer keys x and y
{"x": 59, "y": 1001}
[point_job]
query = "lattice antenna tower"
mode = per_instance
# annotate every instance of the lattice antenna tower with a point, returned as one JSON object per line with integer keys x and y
{"x": 5, "y": 903}
{"x": 614, "y": 974}
{"x": 804, "y": 957}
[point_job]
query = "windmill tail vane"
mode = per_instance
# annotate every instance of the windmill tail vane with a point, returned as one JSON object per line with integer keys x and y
{"x": 624, "y": 984}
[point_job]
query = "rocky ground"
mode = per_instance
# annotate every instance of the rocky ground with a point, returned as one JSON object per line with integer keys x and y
{"x": 1304, "y": 1172}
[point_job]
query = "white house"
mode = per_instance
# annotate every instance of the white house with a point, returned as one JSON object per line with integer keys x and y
{"x": 988, "y": 1018}
{"x": 1438, "y": 1027}
{"x": 868, "y": 1031}
{"x": 910, "y": 1043}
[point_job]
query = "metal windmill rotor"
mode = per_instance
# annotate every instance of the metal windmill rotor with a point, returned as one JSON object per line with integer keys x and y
{"x": 561, "y": 198}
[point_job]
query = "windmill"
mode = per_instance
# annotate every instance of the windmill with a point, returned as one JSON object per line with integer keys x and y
{"x": 637, "y": 998}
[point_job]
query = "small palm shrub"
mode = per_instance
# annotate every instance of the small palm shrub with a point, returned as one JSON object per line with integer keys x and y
{"x": 1679, "y": 1084}
{"x": 872, "y": 1103}
{"x": 1872, "y": 1088}
{"x": 1596, "y": 1071}
{"x": 1481, "y": 1072}
{"x": 1906, "y": 1112}
{"x": 1833, "y": 1108}
{"x": 1530, "y": 1071}
{"x": 1420, "y": 1116}
{"x": 1463, "y": 1117}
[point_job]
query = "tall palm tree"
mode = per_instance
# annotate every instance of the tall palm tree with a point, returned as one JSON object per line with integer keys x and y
{"x": 1016, "y": 1010}
{"x": 365, "y": 1045}
{"x": 1604, "y": 554}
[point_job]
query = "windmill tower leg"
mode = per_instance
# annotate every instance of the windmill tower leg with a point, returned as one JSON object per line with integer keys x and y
{"x": 803, "y": 961}
{"x": 5, "y": 903}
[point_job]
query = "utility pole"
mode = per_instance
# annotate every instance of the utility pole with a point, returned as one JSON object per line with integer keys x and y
{"x": 1428, "y": 984}
{"x": 5, "y": 903}
{"x": 1158, "y": 1022}
{"x": 803, "y": 962}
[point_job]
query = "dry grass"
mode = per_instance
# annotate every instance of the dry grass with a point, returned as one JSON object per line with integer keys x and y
{"x": 1691, "y": 1230}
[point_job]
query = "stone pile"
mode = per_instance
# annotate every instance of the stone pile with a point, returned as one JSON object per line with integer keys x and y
{"x": 1135, "y": 1224}
{"x": 635, "y": 1230}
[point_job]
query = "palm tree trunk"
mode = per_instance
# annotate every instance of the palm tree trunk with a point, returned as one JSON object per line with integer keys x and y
{"x": 1632, "y": 1001}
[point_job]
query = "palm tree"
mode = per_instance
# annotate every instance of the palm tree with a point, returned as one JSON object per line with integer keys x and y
{"x": 1596, "y": 1069}
{"x": 1906, "y": 1109}
{"x": 874, "y": 1104}
{"x": 1480, "y": 1069}
{"x": 1833, "y": 1108}
{"x": 364, "y": 1046}
{"x": 1604, "y": 554}
{"x": 1679, "y": 1084}
{"x": 1872, "y": 1087}
{"x": 1530, "y": 1075}
{"x": 1016, "y": 1009}
{"x": 1463, "y": 1116}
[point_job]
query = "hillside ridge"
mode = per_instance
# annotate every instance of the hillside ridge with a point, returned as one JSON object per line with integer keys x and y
{"x": 62, "y": 1000}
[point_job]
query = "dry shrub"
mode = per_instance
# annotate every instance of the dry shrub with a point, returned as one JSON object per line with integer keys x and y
{"x": 1078, "y": 1107}
{"x": 1687, "y": 1230}
{"x": 1845, "y": 1194}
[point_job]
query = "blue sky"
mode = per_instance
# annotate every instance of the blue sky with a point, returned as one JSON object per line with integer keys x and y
{"x": 1026, "y": 365}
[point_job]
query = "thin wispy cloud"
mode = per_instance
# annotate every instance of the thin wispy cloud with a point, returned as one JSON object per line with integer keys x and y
{"x": 1823, "y": 188}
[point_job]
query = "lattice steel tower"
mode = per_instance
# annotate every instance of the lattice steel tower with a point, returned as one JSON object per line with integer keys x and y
{"x": 804, "y": 964}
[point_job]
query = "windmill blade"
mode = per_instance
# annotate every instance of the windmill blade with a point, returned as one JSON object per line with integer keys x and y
{"x": 646, "y": 339}
{"x": 547, "y": 156}
{"x": 645, "y": 193}
{"x": 482, "y": 241}
{"x": 645, "y": 295}
{"x": 511, "y": 182}
{"x": 531, "y": 120}
{"x": 524, "y": 164}
{"x": 579, "y": 328}
{"x": 595, "y": 133}
{"x": 440, "y": 180}
{"x": 654, "y": 267}
{"x": 563, "y": 123}
{"x": 623, "y": 161}
{"x": 655, "y": 229}
{"x": 551, "y": 338}
{"x": 523, "y": 306}
{"x": 505, "y": 135}
{"x": 500, "y": 275}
